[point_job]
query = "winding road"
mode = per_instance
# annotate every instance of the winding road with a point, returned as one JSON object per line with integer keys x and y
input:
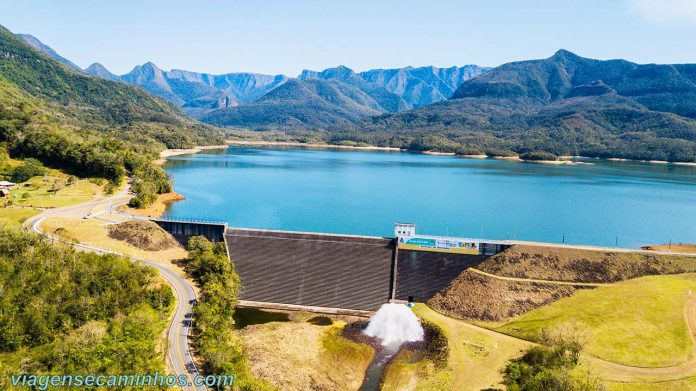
{"x": 178, "y": 353}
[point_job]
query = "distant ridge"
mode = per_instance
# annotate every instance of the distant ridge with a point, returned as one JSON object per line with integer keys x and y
{"x": 38, "y": 45}
{"x": 415, "y": 86}
{"x": 99, "y": 70}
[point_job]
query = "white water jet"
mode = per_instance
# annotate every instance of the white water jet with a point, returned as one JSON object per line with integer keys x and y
{"x": 395, "y": 324}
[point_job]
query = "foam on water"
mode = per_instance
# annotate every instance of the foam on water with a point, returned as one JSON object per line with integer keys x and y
{"x": 395, "y": 324}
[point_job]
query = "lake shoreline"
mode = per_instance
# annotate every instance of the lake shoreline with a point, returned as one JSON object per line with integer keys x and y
{"x": 310, "y": 145}
{"x": 176, "y": 152}
{"x": 562, "y": 160}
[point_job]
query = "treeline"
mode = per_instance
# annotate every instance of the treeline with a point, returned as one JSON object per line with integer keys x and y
{"x": 68, "y": 312}
{"x": 220, "y": 349}
{"x": 104, "y": 158}
{"x": 84, "y": 159}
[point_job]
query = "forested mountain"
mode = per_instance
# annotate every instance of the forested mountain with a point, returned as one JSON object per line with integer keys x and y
{"x": 86, "y": 125}
{"x": 565, "y": 105}
{"x": 300, "y": 104}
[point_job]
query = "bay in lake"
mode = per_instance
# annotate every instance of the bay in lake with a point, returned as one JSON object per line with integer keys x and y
{"x": 364, "y": 193}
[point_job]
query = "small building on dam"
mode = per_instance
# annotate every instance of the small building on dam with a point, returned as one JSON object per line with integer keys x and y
{"x": 340, "y": 272}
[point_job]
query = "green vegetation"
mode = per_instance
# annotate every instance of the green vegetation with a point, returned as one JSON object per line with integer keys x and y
{"x": 84, "y": 125}
{"x": 638, "y": 322}
{"x": 552, "y": 365}
{"x": 538, "y": 156}
{"x": 562, "y": 105}
{"x": 220, "y": 349}
{"x": 72, "y": 312}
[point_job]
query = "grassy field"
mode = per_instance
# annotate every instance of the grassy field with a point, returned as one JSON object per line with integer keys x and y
{"x": 638, "y": 322}
{"x": 95, "y": 233}
{"x": 297, "y": 351}
{"x": 38, "y": 191}
{"x": 14, "y": 217}
{"x": 475, "y": 360}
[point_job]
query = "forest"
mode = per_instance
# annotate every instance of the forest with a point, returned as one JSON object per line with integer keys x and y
{"x": 66, "y": 312}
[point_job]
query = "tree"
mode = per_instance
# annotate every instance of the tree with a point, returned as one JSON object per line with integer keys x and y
{"x": 29, "y": 169}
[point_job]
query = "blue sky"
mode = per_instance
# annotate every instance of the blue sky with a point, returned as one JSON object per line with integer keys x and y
{"x": 287, "y": 36}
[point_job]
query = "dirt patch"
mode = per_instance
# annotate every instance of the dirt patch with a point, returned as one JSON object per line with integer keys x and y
{"x": 573, "y": 265}
{"x": 144, "y": 235}
{"x": 157, "y": 208}
{"x": 478, "y": 297}
{"x": 677, "y": 248}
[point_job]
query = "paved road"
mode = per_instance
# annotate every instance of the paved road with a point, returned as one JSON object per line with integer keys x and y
{"x": 178, "y": 352}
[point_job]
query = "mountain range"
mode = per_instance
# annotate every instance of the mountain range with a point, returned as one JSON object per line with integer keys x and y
{"x": 562, "y": 105}
{"x": 343, "y": 94}
{"x": 565, "y": 105}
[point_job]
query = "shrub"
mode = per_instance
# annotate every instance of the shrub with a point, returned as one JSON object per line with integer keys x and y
{"x": 538, "y": 156}
{"x": 550, "y": 366}
{"x": 500, "y": 153}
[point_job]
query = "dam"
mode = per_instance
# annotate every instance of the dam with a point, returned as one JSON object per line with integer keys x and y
{"x": 339, "y": 273}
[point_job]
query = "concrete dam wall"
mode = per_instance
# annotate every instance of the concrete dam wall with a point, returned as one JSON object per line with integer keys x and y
{"x": 334, "y": 271}
{"x": 312, "y": 269}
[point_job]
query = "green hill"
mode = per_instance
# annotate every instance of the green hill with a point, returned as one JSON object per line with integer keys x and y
{"x": 312, "y": 103}
{"x": 86, "y": 125}
{"x": 565, "y": 105}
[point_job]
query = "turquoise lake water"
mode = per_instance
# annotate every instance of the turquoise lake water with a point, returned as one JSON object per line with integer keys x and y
{"x": 364, "y": 193}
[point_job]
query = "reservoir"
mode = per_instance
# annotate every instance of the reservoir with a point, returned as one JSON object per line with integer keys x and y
{"x": 598, "y": 202}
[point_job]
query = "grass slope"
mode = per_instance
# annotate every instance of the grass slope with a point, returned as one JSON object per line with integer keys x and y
{"x": 475, "y": 360}
{"x": 638, "y": 322}
{"x": 565, "y": 264}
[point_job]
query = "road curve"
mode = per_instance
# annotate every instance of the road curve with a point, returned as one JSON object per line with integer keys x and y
{"x": 178, "y": 352}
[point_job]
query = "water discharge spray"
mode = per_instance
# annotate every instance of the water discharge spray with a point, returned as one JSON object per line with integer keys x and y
{"x": 395, "y": 324}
